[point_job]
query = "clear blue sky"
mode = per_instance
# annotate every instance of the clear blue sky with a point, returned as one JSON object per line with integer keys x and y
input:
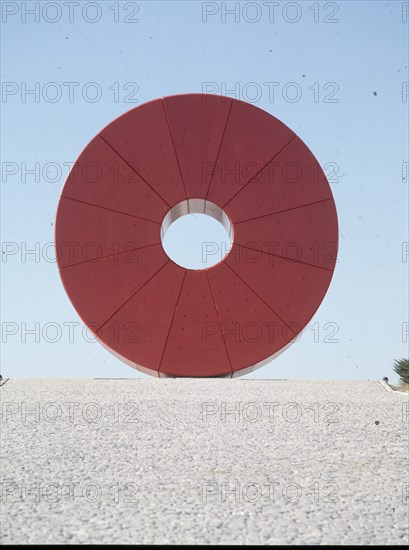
{"x": 347, "y": 62}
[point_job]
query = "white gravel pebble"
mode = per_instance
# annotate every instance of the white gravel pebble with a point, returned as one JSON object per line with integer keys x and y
{"x": 193, "y": 461}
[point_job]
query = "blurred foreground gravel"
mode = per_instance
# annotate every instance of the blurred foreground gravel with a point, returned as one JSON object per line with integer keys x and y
{"x": 203, "y": 461}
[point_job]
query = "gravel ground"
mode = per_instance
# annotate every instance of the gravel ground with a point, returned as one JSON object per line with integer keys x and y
{"x": 203, "y": 462}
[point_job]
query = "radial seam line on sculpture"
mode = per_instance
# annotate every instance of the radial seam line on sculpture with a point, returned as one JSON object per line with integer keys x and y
{"x": 286, "y": 210}
{"x": 133, "y": 169}
{"x": 261, "y": 299}
{"x": 171, "y": 322}
{"x": 130, "y": 298}
{"x": 218, "y": 151}
{"x": 109, "y": 256}
{"x": 220, "y": 322}
{"x": 261, "y": 169}
{"x": 284, "y": 258}
{"x": 174, "y": 148}
{"x": 109, "y": 209}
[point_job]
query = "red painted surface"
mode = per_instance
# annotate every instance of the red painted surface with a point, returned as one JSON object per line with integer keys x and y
{"x": 157, "y": 316}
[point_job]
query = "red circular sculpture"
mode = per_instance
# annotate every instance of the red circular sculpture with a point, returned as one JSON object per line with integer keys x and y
{"x": 196, "y": 153}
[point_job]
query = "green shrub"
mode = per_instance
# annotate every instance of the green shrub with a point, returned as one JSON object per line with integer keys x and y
{"x": 401, "y": 367}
